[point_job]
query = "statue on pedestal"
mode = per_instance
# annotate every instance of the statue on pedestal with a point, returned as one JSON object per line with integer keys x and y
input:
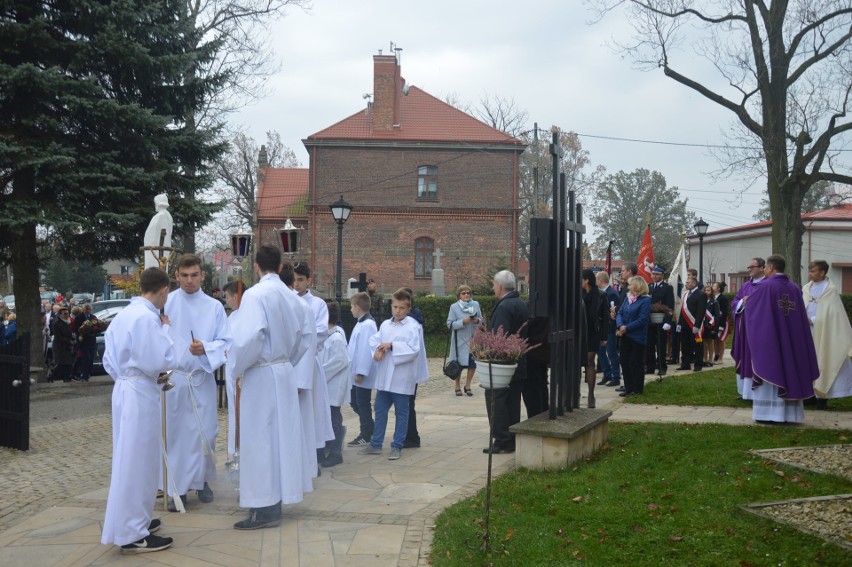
{"x": 159, "y": 222}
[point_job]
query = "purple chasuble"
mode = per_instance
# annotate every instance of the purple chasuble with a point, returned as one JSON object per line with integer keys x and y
{"x": 782, "y": 350}
{"x": 739, "y": 348}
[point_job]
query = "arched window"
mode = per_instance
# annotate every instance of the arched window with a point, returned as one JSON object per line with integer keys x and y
{"x": 427, "y": 182}
{"x": 423, "y": 249}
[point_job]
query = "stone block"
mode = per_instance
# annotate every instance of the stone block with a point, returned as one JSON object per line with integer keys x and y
{"x": 542, "y": 443}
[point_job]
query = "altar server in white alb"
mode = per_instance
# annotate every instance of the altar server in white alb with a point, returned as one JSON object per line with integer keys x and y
{"x": 401, "y": 365}
{"x": 268, "y": 342}
{"x": 202, "y": 336}
{"x": 322, "y": 414}
{"x": 335, "y": 365}
{"x": 362, "y": 367}
{"x": 138, "y": 349}
{"x": 305, "y": 374}
{"x": 233, "y": 295}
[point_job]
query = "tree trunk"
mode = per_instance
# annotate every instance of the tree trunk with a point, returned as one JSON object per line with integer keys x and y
{"x": 787, "y": 228}
{"x": 24, "y": 261}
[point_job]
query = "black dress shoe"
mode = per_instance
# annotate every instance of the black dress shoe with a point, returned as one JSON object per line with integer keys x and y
{"x": 603, "y": 382}
{"x": 682, "y": 367}
{"x": 173, "y": 507}
{"x": 498, "y": 449}
{"x": 266, "y": 517}
{"x": 698, "y": 367}
{"x": 626, "y": 394}
{"x": 620, "y": 389}
{"x": 205, "y": 494}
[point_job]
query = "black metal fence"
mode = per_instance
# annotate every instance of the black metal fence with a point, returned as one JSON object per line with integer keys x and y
{"x": 15, "y": 393}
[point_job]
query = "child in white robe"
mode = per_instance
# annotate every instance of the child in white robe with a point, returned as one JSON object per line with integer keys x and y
{"x": 362, "y": 368}
{"x": 335, "y": 363}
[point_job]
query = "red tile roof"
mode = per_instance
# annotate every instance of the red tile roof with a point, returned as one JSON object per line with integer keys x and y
{"x": 841, "y": 212}
{"x": 422, "y": 118}
{"x": 283, "y": 193}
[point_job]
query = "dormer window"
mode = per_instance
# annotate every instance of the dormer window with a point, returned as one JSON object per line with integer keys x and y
{"x": 427, "y": 182}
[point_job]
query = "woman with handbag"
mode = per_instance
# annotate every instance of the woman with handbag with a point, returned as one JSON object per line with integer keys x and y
{"x": 464, "y": 317}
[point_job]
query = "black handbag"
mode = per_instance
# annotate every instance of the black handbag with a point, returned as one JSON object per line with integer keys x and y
{"x": 452, "y": 369}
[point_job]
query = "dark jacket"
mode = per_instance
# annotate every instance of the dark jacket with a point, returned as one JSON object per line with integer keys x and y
{"x": 10, "y": 332}
{"x": 662, "y": 293}
{"x": 597, "y": 315}
{"x": 511, "y": 314}
{"x": 63, "y": 342}
{"x": 89, "y": 339}
{"x": 611, "y": 299}
{"x": 696, "y": 303}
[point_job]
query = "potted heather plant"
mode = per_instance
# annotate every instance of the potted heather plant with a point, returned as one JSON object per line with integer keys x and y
{"x": 497, "y": 354}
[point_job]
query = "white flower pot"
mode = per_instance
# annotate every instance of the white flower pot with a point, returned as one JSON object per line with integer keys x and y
{"x": 497, "y": 377}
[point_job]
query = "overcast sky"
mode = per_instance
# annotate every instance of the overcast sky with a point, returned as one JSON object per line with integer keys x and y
{"x": 543, "y": 54}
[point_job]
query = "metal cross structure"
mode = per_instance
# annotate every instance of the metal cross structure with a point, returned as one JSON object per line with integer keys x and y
{"x": 361, "y": 284}
{"x": 556, "y": 246}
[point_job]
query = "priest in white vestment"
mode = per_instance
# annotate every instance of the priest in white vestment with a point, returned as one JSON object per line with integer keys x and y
{"x": 202, "y": 336}
{"x": 138, "y": 349}
{"x": 832, "y": 335}
{"x": 268, "y": 342}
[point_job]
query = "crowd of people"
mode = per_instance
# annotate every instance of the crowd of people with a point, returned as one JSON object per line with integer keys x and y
{"x": 288, "y": 368}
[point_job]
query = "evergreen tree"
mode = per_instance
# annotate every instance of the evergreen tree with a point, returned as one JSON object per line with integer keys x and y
{"x": 94, "y": 98}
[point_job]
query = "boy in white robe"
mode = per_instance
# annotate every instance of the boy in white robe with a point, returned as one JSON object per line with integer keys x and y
{"x": 202, "y": 335}
{"x": 322, "y": 415}
{"x": 401, "y": 363}
{"x": 305, "y": 373}
{"x": 138, "y": 349}
{"x": 362, "y": 367}
{"x": 233, "y": 294}
{"x": 335, "y": 365}
{"x": 268, "y": 342}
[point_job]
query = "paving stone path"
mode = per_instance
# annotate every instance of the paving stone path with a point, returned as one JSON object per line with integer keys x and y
{"x": 366, "y": 511}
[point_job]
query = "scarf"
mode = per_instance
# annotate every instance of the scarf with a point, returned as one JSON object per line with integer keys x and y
{"x": 467, "y": 307}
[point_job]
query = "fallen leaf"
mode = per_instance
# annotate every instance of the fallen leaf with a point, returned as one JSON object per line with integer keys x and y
{"x": 652, "y": 506}
{"x": 779, "y": 473}
{"x": 509, "y": 533}
{"x": 560, "y": 531}
{"x": 730, "y": 531}
{"x": 577, "y": 499}
{"x": 676, "y": 538}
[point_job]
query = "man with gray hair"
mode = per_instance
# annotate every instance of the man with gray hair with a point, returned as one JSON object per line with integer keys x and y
{"x": 504, "y": 405}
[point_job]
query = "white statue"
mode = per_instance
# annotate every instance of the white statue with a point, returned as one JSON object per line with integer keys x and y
{"x": 161, "y": 220}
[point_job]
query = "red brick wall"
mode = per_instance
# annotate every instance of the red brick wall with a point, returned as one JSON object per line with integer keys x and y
{"x": 471, "y": 221}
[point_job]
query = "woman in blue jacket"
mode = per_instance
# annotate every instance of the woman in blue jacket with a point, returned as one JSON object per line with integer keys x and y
{"x": 10, "y": 332}
{"x": 632, "y": 327}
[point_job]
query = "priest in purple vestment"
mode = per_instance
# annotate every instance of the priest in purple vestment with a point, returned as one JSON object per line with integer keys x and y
{"x": 783, "y": 357}
{"x": 739, "y": 348}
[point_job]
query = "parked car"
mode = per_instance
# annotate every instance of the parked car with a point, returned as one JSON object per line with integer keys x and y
{"x": 83, "y": 298}
{"x": 98, "y": 306}
{"x": 106, "y": 314}
{"x": 49, "y": 296}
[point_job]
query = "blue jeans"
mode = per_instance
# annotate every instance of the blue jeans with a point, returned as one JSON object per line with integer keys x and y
{"x": 400, "y": 408}
{"x": 610, "y": 359}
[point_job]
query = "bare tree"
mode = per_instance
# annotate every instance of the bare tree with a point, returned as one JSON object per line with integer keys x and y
{"x": 236, "y": 184}
{"x": 239, "y": 30}
{"x": 502, "y": 113}
{"x": 535, "y": 174}
{"x": 784, "y": 72}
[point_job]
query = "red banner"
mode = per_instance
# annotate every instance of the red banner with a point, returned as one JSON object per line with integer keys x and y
{"x": 645, "y": 262}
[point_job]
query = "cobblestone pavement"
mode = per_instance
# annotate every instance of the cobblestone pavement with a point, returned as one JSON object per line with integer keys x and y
{"x": 366, "y": 511}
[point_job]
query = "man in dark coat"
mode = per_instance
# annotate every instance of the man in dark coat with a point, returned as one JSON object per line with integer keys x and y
{"x": 87, "y": 341}
{"x": 511, "y": 313}
{"x": 63, "y": 345}
{"x": 662, "y": 295}
{"x": 692, "y": 312}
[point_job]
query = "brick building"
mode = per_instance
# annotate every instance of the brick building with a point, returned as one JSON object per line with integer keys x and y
{"x": 421, "y": 175}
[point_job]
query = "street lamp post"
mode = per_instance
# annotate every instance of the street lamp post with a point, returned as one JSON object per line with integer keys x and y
{"x": 340, "y": 210}
{"x": 700, "y": 227}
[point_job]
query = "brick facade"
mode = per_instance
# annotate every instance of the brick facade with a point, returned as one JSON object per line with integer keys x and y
{"x": 472, "y": 220}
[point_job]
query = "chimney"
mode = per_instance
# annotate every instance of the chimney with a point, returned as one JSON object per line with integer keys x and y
{"x": 386, "y": 87}
{"x": 262, "y": 164}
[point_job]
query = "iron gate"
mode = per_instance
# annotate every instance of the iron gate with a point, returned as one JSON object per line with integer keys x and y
{"x": 15, "y": 393}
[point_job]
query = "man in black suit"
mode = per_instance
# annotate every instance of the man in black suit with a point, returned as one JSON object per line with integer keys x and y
{"x": 661, "y": 294}
{"x": 692, "y": 313}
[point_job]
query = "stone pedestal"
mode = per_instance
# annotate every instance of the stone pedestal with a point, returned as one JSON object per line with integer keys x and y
{"x": 541, "y": 443}
{"x": 438, "y": 282}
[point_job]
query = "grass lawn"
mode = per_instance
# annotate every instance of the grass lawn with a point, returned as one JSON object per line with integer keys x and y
{"x": 656, "y": 494}
{"x": 707, "y": 388}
